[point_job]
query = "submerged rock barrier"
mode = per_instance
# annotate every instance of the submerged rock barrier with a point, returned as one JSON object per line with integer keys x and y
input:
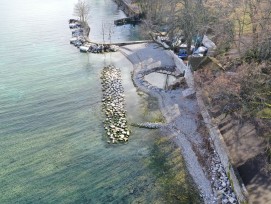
{"x": 115, "y": 123}
{"x": 149, "y": 125}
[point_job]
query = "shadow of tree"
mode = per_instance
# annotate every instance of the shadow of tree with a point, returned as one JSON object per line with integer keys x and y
{"x": 256, "y": 179}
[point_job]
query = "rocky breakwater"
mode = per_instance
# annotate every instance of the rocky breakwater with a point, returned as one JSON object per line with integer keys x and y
{"x": 115, "y": 123}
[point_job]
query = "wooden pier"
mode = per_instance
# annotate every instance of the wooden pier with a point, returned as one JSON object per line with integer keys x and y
{"x": 120, "y": 43}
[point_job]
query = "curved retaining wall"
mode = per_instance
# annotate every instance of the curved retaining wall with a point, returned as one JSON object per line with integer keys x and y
{"x": 219, "y": 143}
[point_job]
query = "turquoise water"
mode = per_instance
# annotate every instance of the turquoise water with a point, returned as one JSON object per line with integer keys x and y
{"x": 52, "y": 143}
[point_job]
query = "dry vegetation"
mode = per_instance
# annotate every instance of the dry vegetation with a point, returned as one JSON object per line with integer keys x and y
{"x": 243, "y": 91}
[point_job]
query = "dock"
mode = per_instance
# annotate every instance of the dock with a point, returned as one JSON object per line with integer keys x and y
{"x": 129, "y": 20}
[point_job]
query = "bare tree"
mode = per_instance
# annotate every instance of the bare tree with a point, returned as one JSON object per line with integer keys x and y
{"x": 252, "y": 20}
{"x": 82, "y": 10}
{"x": 187, "y": 18}
{"x": 107, "y": 31}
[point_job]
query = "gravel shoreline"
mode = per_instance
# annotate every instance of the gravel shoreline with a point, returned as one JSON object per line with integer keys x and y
{"x": 180, "y": 113}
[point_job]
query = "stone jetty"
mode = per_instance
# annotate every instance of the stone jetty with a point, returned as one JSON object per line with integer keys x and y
{"x": 115, "y": 123}
{"x": 80, "y": 32}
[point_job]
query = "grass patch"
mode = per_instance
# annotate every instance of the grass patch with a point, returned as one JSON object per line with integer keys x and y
{"x": 265, "y": 113}
{"x": 245, "y": 26}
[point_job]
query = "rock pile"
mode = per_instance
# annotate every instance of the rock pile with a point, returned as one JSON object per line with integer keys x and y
{"x": 139, "y": 78}
{"x": 221, "y": 182}
{"x": 115, "y": 123}
{"x": 77, "y": 29}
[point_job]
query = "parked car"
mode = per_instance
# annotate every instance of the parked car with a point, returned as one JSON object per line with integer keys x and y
{"x": 200, "y": 52}
{"x": 182, "y": 54}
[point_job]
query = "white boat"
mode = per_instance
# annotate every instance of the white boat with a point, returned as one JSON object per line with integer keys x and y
{"x": 114, "y": 48}
{"x": 74, "y": 25}
{"x": 73, "y": 40}
{"x": 84, "y": 48}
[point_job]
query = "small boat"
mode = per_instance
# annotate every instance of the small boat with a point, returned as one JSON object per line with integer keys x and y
{"x": 114, "y": 48}
{"x": 84, "y": 48}
{"x": 74, "y": 25}
{"x": 73, "y": 21}
{"x": 73, "y": 40}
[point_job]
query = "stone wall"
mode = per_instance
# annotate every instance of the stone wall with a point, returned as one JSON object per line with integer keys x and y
{"x": 188, "y": 74}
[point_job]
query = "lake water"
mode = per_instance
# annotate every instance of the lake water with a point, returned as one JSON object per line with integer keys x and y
{"x": 52, "y": 144}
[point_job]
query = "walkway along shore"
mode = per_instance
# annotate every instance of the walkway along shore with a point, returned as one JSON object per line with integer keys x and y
{"x": 180, "y": 109}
